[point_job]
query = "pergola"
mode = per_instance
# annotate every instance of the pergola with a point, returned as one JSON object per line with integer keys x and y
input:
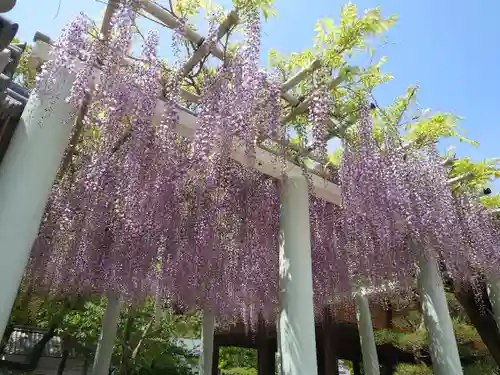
{"x": 34, "y": 156}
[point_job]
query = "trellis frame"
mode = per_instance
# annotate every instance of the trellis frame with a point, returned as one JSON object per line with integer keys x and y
{"x": 265, "y": 159}
{"x": 297, "y": 106}
{"x": 267, "y": 163}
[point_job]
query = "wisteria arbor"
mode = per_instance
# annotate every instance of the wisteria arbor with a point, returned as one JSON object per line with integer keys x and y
{"x": 214, "y": 206}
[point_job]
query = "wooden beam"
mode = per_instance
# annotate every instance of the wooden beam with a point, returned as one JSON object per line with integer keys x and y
{"x": 203, "y": 50}
{"x": 173, "y": 23}
{"x": 295, "y": 79}
{"x": 306, "y": 103}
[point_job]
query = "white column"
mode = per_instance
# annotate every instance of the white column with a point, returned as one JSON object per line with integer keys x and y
{"x": 279, "y": 366}
{"x": 104, "y": 351}
{"x": 493, "y": 288}
{"x": 296, "y": 326}
{"x": 442, "y": 342}
{"x": 27, "y": 173}
{"x": 366, "y": 335}
{"x": 207, "y": 343}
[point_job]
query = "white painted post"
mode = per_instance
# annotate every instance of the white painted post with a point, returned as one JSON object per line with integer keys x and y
{"x": 442, "y": 342}
{"x": 104, "y": 351}
{"x": 27, "y": 173}
{"x": 207, "y": 343}
{"x": 493, "y": 288}
{"x": 366, "y": 335}
{"x": 296, "y": 326}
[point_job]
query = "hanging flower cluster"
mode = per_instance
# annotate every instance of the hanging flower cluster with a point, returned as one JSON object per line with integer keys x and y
{"x": 481, "y": 239}
{"x": 399, "y": 210}
{"x": 147, "y": 212}
{"x": 373, "y": 238}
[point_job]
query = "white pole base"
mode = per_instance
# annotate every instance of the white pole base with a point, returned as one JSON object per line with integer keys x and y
{"x": 493, "y": 288}
{"x": 104, "y": 352}
{"x": 366, "y": 335}
{"x": 442, "y": 342}
{"x": 27, "y": 174}
{"x": 296, "y": 325}
{"x": 207, "y": 342}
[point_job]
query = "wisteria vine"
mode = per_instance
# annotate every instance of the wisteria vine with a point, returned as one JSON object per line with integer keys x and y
{"x": 147, "y": 212}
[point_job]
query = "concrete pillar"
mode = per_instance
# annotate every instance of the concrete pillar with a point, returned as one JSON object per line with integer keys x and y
{"x": 296, "y": 326}
{"x": 104, "y": 352}
{"x": 27, "y": 173}
{"x": 366, "y": 335}
{"x": 278, "y": 351}
{"x": 442, "y": 342}
{"x": 207, "y": 343}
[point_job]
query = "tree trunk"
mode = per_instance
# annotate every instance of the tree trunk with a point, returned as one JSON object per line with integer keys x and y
{"x": 482, "y": 321}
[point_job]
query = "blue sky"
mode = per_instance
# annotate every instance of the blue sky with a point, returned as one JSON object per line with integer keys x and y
{"x": 450, "y": 48}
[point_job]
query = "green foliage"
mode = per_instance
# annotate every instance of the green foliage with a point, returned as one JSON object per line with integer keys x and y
{"x": 483, "y": 173}
{"x": 188, "y": 8}
{"x": 394, "y": 113}
{"x": 335, "y": 45}
{"x": 84, "y": 324}
{"x": 234, "y": 360}
{"x": 351, "y": 35}
{"x": 464, "y": 332}
{"x": 335, "y": 157}
{"x": 191, "y": 8}
{"x": 24, "y": 75}
{"x": 410, "y": 335}
{"x": 42, "y": 312}
{"x": 484, "y": 366}
{"x": 240, "y": 371}
{"x": 408, "y": 369}
{"x": 428, "y": 130}
{"x": 407, "y": 341}
{"x": 144, "y": 345}
{"x": 491, "y": 201}
{"x": 265, "y": 6}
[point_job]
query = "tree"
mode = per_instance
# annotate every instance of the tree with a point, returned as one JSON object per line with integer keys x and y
{"x": 409, "y": 334}
{"x": 45, "y": 313}
{"x": 241, "y": 361}
{"x": 144, "y": 346}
